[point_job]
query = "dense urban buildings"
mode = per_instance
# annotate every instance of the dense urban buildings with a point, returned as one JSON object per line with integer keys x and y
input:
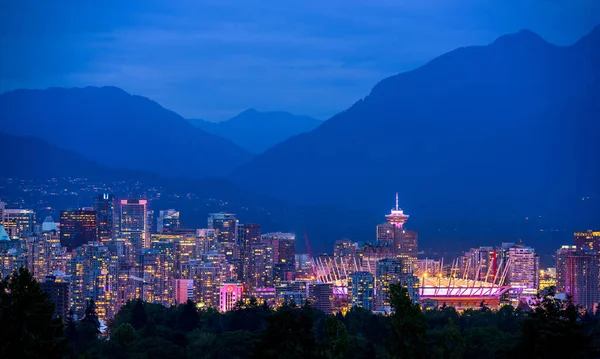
{"x": 112, "y": 254}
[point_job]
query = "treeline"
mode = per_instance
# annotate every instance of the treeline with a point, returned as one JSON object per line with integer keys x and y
{"x": 552, "y": 329}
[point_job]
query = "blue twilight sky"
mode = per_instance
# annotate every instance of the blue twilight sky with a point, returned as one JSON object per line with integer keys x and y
{"x": 212, "y": 59}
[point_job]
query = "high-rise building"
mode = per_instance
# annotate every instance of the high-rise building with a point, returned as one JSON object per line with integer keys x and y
{"x": 18, "y": 223}
{"x": 45, "y": 255}
{"x": 133, "y": 227}
{"x": 78, "y": 227}
{"x": 105, "y": 206}
{"x": 588, "y": 240}
{"x": 225, "y": 226}
{"x": 167, "y": 221}
{"x": 57, "y": 287}
{"x": 249, "y": 235}
{"x": 156, "y": 270}
{"x": 321, "y": 295}
{"x": 284, "y": 254}
{"x": 211, "y": 274}
{"x": 230, "y": 294}
{"x": 389, "y": 271}
{"x": 184, "y": 290}
{"x": 577, "y": 272}
{"x": 260, "y": 266}
{"x": 547, "y": 278}
{"x": 523, "y": 272}
{"x": 93, "y": 270}
{"x": 361, "y": 290}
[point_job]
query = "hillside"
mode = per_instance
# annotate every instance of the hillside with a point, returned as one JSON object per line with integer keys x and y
{"x": 117, "y": 129}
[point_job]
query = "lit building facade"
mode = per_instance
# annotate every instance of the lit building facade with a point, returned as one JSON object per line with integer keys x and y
{"x": 133, "y": 227}
{"x": 225, "y": 226}
{"x": 184, "y": 290}
{"x": 361, "y": 290}
{"x": 523, "y": 272}
{"x": 105, "y": 206}
{"x": 587, "y": 240}
{"x": 18, "y": 223}
{"x": 167, "y": 221}
{"x": 78, "y": 227}
{"x": 260, "y": 266}
{"x": 389, "y": 271}
{"x": 577, "y": 272}
{"x": 230, "y": 294}
{"x": 58, "y": 289}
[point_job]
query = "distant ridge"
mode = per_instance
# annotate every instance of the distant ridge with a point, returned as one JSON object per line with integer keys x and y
{"x": 112, "y": 127}
{"x": 257, "y": 131}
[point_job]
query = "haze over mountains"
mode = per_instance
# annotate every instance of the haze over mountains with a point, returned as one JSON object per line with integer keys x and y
{"x": 480, "y": 134}
{"x": 117, "y": 129}
{"x": 257, "y": 131}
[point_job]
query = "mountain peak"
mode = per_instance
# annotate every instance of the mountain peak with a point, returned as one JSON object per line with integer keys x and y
{"x": 520, "y": 38}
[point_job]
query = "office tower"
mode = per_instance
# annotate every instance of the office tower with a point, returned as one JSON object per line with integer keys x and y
{"x": 77, "y": 227}
{"x": 184, "y": 290}
{"x": 167, "y": 221}
{"x": 156, "y": 270}
{"x": 18, "y": 223}
{"x": 523, "y": 272}
{"x": 230, "y": 294}
{"x": 284, "y": 254}
{"x": 321, "y": 295}
{"x": 206, "y": 240}
{"x": 133, "y": 227}
{"x": 361, "y": 288}
{"x": 186, "y": 248}
{"x": 93, "y": 270}
{"x": 105, "y": 206}
{"x": 57, "y": 287}
{"x": 45, "y": 255}
{"x": 211, "y": 274}
{"x": 249, "y": 235}
{"x": 588, "y": 240}
{"x": 260, "y": 272}
{"x": 225, "y": 226}
{"x": 389, "y": 271}
{"x": 577, "y": 274}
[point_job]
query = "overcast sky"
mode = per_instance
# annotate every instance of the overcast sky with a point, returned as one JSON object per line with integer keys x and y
{"x": 213, "y": 59}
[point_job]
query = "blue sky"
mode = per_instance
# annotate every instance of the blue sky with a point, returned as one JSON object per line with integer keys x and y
{"x": 213, "y": 59}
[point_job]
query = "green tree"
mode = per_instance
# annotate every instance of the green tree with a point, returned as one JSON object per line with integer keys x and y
{"x": 28, "y": 327}
{"x": 188, "y": 318}
{"x": 336, "y": 343}
{"x": 408, "y": 326}
{"x": 124, "y": 335}
{"x": 139, "y": 318}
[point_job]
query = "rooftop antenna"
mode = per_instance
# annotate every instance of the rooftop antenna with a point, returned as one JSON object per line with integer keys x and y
{"x": 396, "y": 201}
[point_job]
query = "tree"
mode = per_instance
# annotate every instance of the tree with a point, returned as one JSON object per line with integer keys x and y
{"x": 28, "y": 327}
{"x": 188, "y": 318}
{"x": 408, "y": 327}
{"x": 337, "y": 341}
{"x": 124, "y": 335}
{"x": 139, "y": 318}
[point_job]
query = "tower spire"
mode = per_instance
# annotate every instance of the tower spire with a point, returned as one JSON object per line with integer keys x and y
{"x": 396, "y": 201}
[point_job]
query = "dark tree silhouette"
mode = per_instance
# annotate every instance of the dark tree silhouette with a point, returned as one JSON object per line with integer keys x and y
{"x": 28, "y": 328}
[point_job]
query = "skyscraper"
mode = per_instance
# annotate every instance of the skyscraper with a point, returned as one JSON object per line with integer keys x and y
{"x": 18, "y": 223}
{"x": 523, "y": 272}
{"x": 577, "y": 272}
{"x": 588, "y": 240}
{"x": 361, "y": 290}
{"x": 260, "y": 272}
{"x": 284, "y": 254}
{"x": 133, "y": 226}
{"x": 167, "y": 221}
{"x": 225, "y": 226}
{"x": 105, "y": 207}
{"x": 78, "y": 227}
{"x": 57, "y": 287}
{"x": 249, "y": 235}
{"x": 389, "y": 271}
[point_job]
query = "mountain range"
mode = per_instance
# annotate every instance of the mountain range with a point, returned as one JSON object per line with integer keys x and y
{"x": 114, "y": 128}
{"x": 478, "y": 135}
{"x": 257, "y": 131}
